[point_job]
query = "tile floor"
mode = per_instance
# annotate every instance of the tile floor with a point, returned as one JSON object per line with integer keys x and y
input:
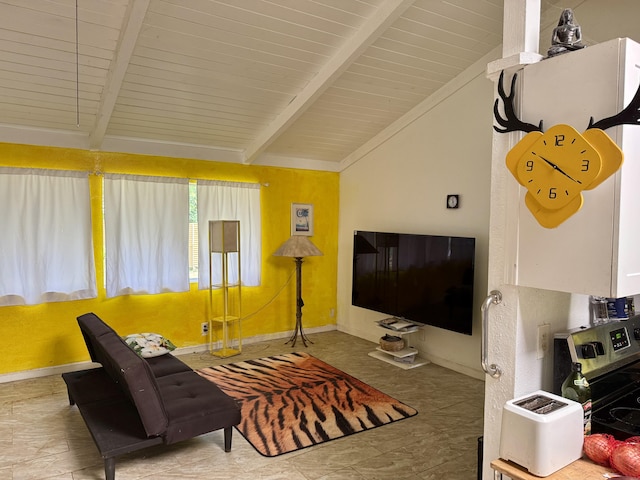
{"x": 42, "y": 437}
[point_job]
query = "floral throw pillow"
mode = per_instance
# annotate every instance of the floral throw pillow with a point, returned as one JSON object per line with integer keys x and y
{"x": 149, "y": 345}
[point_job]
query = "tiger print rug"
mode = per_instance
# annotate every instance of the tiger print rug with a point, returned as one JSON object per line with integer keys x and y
{"x": 295, "y": 400}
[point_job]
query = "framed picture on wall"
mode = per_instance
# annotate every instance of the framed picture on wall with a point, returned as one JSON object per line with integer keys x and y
{"x": 301, "y": 219}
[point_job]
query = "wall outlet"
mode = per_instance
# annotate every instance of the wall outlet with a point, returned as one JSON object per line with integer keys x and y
{"x": 204, "y": 328}
{"x": 543, "y": 340}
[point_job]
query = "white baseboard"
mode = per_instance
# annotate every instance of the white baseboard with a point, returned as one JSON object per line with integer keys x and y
{"x": 73, "y": 367}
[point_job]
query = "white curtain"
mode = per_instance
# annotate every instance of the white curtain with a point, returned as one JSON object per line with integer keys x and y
{"x": 146, "y": 234}
{"x": 230, "y": 201}
{"x": 46, "y": 250}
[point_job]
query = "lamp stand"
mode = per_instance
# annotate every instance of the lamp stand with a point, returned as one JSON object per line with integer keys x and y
{"x": 299, "y": 305}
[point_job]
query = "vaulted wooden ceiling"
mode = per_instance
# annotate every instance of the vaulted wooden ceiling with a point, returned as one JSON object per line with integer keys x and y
{"x": 288, "y": 82}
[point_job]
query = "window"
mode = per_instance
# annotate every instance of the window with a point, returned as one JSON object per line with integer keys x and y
{"x": 231, "y": 201}
{"x": 146, "y": 234}
{"x": 46, "y": 248}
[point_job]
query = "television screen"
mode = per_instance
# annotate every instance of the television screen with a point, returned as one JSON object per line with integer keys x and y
{"x": 426, "y": 279}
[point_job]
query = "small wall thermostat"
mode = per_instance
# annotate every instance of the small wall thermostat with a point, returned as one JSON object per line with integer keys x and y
{"x": 453, "y": 201}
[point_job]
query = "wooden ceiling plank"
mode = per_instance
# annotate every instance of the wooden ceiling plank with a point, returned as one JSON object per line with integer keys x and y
{"x": 366, "y": 96}
{"x": 400, "y": 40}
{"x": 317, "y": 124}
{"x": 300, "y": 17}
{"x": 438, "y": 59}
{"x": 219, "y": 77}
{"x": 195, "y": 140}
{"x": 223, "y": 55}
{"x": 376, "y": 82}
{"x": 99, "y": 12}
{"x": 209, "y": 26}
{"x": 171, "y": 102}
{"x": 207, "y": 98}
{"x": 239, "y": 17}
{"x": 136, "y": 11}
{"x": 368, "y": 33}
{"x": 34, "y": 42}
{"x": 55, "y": 27}
{"x": 257, "y": 98}
{"x": 442, "y": 39}
{"x": 196, "y": 33}
{"x": 237, "y": 53}
{"x": 332, "y": 98}
{"x": 38, "y": 82}
{"x": 465, "y": 15}
{"x": 152, "y": 109}
{"x": 432, "y": 17}
{"x": 285, "y": 71}
{"x": 12, "y": 69}
{"x": 401, "y": 77}
{"x": 48, "y": 56}
{"x": 62, "y": 94}
{"x": 171, "y": 129}
{"x": 216, "y": 132}
{"x": 385, "y": 64}
{"x": 386, "y": 92}
{"x": 367, "y": 113}
{"x": 398, "y": 59}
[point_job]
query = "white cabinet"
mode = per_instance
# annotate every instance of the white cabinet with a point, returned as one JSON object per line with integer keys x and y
{"x": 407, "y": 357}
{"x": 597, "y": 250}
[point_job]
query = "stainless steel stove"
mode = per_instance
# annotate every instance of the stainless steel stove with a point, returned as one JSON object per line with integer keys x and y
{"x": 610, "y": 358}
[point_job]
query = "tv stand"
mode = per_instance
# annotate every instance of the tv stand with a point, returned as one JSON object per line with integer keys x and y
{"x": 404, "y": 328}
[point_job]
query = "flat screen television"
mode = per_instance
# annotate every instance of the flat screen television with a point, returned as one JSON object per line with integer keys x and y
{"x": 427, "y": 279}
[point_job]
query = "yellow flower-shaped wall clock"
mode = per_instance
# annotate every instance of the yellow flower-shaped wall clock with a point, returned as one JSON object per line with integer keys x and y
{"x": 557, "y": 165}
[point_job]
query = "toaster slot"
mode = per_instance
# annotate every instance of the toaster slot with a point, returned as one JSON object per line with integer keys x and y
{"x": 540, "y": 404}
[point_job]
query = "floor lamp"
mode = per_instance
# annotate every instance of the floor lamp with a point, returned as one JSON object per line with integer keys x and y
{"x": 298, "y": 247}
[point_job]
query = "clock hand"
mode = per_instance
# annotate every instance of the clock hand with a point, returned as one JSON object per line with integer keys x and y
{"x": 555, "y": 167}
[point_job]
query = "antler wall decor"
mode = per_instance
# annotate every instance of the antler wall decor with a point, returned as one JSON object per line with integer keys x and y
{"x": 511, "y": 123}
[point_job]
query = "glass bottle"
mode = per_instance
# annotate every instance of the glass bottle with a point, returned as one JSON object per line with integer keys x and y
{"x": 576, "y": 387}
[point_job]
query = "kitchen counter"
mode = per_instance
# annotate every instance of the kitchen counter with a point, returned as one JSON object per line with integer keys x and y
{"x": 582, "y": 469}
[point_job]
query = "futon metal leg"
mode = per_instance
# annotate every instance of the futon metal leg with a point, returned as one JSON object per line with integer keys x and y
{"x": 227, "y": 438}
{"x": 110, "y": 468}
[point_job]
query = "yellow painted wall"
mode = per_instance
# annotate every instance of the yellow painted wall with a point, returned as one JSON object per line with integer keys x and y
{"x": 47, "y": 335}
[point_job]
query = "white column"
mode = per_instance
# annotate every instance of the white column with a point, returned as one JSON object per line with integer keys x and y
{"x": 521, "y": 27}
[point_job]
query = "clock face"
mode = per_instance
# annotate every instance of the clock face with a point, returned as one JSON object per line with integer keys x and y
{"x": 558, "y": 166}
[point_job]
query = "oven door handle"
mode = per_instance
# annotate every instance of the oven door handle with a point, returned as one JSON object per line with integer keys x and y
{"x": 494, "y": 298}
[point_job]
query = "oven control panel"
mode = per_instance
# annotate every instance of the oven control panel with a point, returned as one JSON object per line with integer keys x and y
{"x": 619, "y": 338}
{"x": 600, "y": 349}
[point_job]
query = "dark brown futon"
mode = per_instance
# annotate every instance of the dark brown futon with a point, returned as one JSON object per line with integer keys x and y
{"x": 130, "y": 402}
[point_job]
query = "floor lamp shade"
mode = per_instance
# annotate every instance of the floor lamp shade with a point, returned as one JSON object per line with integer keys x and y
{"x": 297, "y": 246}
{"x": 224, "y": 236}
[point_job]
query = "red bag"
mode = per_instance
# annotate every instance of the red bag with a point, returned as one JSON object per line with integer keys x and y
{"x": 599, "y": 446}
{"x": 626, "y": 459}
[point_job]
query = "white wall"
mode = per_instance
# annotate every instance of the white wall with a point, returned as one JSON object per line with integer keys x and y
{"x": 401, "y": 186}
